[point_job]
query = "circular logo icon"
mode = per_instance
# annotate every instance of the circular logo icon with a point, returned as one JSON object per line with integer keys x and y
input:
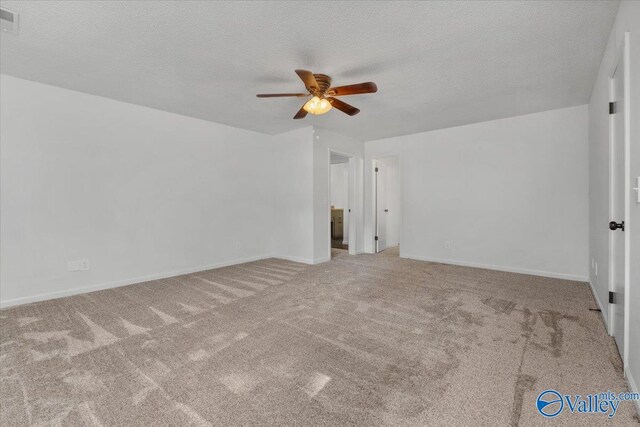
{"x": 550, "y": 403}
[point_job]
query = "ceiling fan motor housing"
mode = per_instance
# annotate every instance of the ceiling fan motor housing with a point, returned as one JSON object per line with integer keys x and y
{"x": 324, "y": 83}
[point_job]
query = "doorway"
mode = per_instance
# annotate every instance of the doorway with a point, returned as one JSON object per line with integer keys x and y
{"x": 387, "y": 204}
{"x": 341, "y": 226}
{"x": 619, "y": 204}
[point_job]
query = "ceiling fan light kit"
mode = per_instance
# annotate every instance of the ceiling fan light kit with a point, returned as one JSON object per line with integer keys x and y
{"x": 317, "y": 106}
{"x": 323, "y": 95}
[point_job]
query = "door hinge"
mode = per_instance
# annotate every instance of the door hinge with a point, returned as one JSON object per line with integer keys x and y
{"x": 612, "y": 299}
{"x": 376, "y": 170}
{"x": 376, "y": 238}
{"x": 612, "y": 108}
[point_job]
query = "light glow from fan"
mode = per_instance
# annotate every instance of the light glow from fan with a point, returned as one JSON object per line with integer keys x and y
{"x": 317, "y": 105}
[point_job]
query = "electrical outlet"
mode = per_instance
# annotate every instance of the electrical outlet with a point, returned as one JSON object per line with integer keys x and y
{"x": 78, "y": 265}
{"x": 237, "y": 245}
{"x": 593, "y": 263}
{"x": 447, "y": 244}
{"x": 596, "y": 268}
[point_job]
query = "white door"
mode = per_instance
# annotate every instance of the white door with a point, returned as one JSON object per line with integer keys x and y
{"x": 618, "y": 208}
{"x": 392, "y": 179}
{"x": 381, "y": 210}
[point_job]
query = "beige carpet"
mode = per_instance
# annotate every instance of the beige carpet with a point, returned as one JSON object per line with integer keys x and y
{"x": 362, "y": 340}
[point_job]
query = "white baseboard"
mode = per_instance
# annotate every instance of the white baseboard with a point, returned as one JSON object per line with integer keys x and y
{"x": 541, "y": 273}
{"x": 294, "y": 259}
{"x": 124, "y": 282}
{"x": 603, "y": 313}
{"x": 164, "y": 275}
{"x": 633, "y": 387}
{"x": 302, "y": 260}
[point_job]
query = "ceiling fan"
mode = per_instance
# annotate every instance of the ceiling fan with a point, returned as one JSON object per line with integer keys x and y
{"x": 323, "y": 95}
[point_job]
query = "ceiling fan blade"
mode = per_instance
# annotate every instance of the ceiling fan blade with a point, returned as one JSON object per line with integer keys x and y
{"x": 308, "y": 79}
{"x": 277, "y": 95}
{"x": 301, "y": 114}
{"x": 356, "y": 89}
{"x": 343, "y": 106}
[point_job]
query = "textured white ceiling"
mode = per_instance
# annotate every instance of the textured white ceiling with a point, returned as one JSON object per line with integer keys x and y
{"x": 437, "y": 64}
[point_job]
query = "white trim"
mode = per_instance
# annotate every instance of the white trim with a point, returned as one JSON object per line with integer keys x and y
{"x": 125, "y": 282}
{"x": 627, "y": 197}
{"x": 321, "y": 260}
{"x": 600, "y": 306}
{"x": 564, "y": 276}
{"x": 294, "y": 259}
{"x": 633, "y": 387}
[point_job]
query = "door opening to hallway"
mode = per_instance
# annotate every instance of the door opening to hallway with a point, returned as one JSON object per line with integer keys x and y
{"x": 340, "y": 206}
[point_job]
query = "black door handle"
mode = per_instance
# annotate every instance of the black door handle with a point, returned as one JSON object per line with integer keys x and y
{"x": 613, "y": 226}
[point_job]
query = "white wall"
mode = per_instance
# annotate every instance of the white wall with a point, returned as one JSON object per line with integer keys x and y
{"x": 302, "y": 179}
{"x": 324, "y": 141}
{"x": 340, "y": 194}
{"x": 628, "y": 19}
{"x": 138, "y": 192}
{"x": 143, "y": 193}
{"x": 293, "y": 195}
{"x": 509, "y": 194}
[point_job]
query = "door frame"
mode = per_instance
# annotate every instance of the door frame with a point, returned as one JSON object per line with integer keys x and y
{"x": 374, "y": 199}
{"x": 622, "y": 58}
{"x": 351, "y": 211}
